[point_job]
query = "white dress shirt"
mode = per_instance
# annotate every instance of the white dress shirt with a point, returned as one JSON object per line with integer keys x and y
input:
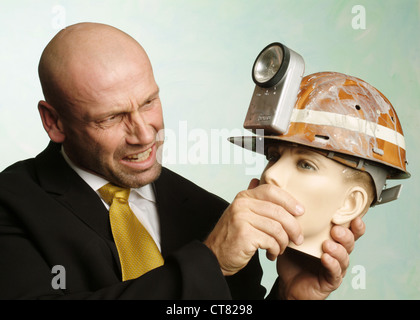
{"x": 142, "y": 201}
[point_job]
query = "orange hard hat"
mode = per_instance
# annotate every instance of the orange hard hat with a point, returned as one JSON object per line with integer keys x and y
{"x": 349, "y": 121}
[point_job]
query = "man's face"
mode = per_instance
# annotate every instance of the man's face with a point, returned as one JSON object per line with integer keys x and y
{"x": 113, "y": 127}
{"x": 312, "y": 179}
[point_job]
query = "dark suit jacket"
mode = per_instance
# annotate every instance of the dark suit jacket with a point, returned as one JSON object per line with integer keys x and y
{"x": 49, "y": 216}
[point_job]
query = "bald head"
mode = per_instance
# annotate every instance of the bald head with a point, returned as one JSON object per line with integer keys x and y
{"x": 84, "y": 59}
{"x": 102, "y": 103}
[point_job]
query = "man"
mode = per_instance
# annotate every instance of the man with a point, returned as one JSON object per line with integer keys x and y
{"x": 103, "y": 115}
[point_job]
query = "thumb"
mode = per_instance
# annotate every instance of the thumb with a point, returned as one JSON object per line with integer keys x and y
{"x": 253, "y": 183}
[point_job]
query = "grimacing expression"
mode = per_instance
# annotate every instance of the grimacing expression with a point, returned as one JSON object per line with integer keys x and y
{"x": 314, "y": 180}
{"x": 101, "y": 92}
{"x": 117, "y": 135}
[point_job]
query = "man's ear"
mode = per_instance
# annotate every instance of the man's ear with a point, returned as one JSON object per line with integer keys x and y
{"x": 51, "y": 122}
{"x": 353, "y": 206}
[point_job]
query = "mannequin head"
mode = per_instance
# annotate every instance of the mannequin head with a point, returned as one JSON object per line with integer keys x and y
{"x": 343, "y": 142}
{"x": 331, "y": 192}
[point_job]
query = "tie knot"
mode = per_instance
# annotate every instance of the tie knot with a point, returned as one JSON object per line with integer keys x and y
{"x": 109, "y": 192}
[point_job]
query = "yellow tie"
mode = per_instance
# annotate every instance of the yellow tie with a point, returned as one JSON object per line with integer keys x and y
{"x": 136, "y": 248}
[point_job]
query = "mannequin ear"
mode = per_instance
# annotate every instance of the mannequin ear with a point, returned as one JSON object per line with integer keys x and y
{"x": 51, "y": 122}
{"x": 353, "y": 206}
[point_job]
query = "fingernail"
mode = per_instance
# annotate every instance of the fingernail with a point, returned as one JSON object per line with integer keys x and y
{"x": 339, "y": 232}
{"x": 299, "y": 209}
{"x": 332, "y": 246}
{"x": 299, "y": 240}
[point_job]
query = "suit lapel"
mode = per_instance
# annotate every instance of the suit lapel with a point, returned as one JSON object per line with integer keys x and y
{"x": 57, "y": 178}
{"x": 65, "y": 185}
{"x": 170, "y": 201}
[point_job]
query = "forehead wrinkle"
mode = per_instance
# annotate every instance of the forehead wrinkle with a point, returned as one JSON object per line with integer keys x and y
{"x": 127, "y": 107}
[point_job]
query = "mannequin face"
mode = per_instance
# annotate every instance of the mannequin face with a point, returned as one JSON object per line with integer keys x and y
{"x": 314, "y": 180}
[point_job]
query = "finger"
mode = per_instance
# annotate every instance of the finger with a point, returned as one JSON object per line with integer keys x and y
{"x": 253, "y": 183}
{"x": 332, "y": 273}
{"x": 234, "y": 241}
{"x": 257, "y": 239}
{"x": 276, "y": 195}
{"x": 259, "y": 215}
{"x": 274, "y": 230}
{"x": 337, "y": 252}
{"x": 273, "y": 249}
{"x": 358, "y": 227}
{"x": 275, "y": 221}
{"x": 343, "y": 236}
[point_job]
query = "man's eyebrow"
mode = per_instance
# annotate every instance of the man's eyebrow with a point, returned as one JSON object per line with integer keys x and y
{"x": 112, "y": 112}
{"x": 152, "y": 96}
{"x": 118, "y": 110}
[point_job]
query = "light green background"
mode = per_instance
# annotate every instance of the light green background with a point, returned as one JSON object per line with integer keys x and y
{"x": 202, "y": 53}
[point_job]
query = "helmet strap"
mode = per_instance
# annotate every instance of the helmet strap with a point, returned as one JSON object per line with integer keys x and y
{"x": 378, "y": 174}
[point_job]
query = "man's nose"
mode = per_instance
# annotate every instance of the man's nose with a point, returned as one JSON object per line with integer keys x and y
{"x": 139, "y": 131}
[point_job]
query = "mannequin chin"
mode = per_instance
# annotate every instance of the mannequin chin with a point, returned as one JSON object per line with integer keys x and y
{"x": 313, "y": 245}
{"x": 329, "y": 194}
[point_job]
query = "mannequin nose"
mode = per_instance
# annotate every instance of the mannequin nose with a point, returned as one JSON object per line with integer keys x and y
{"x": 276, "y": 174}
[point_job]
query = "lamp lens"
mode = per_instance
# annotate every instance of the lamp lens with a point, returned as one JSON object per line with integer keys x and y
{"x": 268, "y": 64}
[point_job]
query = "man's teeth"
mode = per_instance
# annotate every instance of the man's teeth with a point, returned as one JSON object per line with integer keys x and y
{"x": 140, "y": 157}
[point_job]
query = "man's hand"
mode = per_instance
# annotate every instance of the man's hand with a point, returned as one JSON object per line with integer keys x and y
{"x": 304, "y": 277}
{"x": 260, "y": 217}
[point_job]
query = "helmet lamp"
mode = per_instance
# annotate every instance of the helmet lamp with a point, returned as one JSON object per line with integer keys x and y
{"x": 277, "y": 73}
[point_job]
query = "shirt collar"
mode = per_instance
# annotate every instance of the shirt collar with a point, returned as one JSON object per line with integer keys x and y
{"x": 96, "y": 182}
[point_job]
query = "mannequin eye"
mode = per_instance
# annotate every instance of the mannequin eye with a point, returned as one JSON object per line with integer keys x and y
{"x": 306, "y": 165}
